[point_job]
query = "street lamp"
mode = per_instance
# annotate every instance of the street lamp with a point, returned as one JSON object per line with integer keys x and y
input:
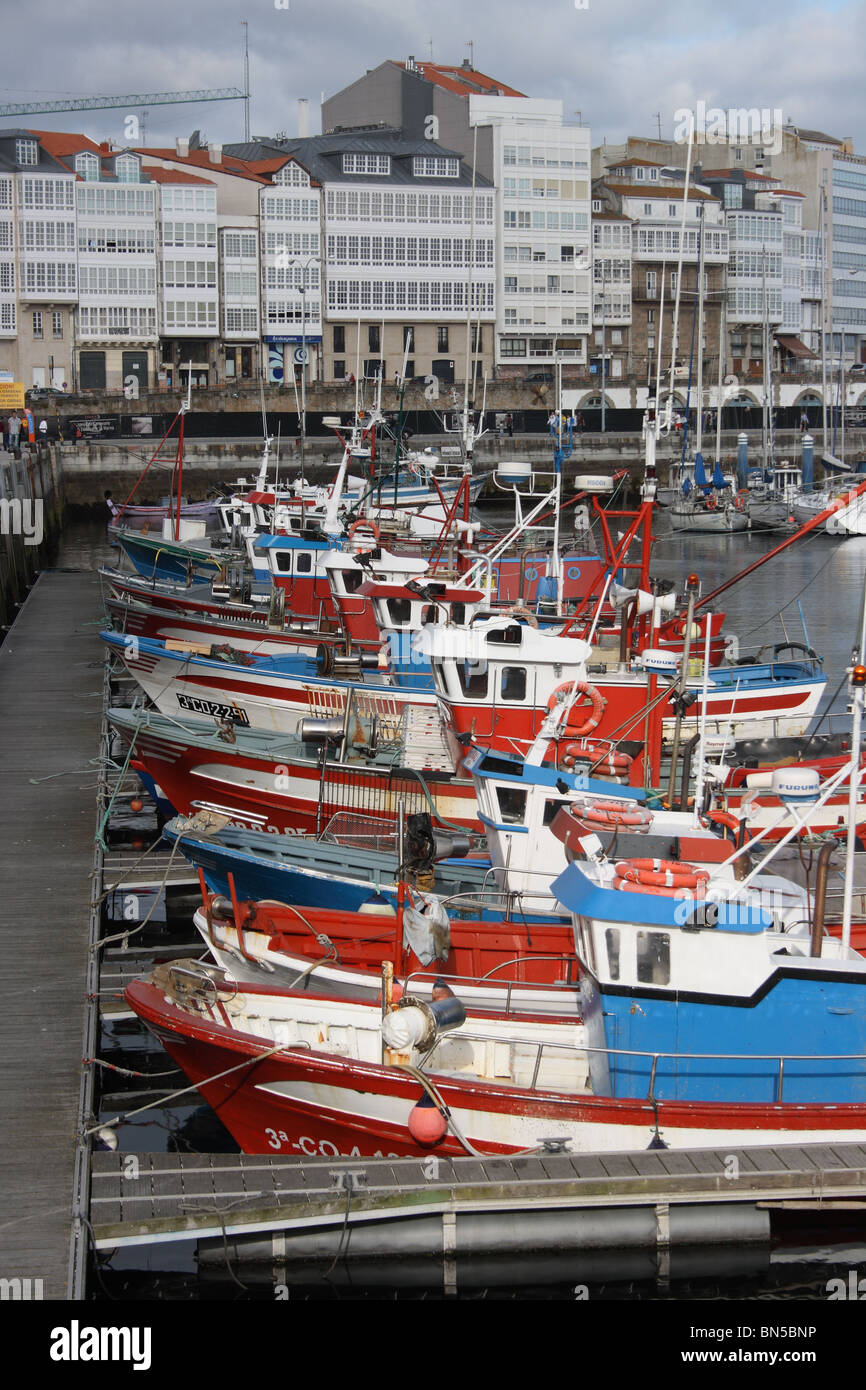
{"x": 305, "y": 263}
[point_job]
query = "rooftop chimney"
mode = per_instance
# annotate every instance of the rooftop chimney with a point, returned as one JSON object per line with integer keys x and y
{"x": 410, "y": 62}
{"x": 467, "y": 64}
{"x": 215, "y": 153}
{"x": 181, "y": 145}
{"x": 303, "y": 118}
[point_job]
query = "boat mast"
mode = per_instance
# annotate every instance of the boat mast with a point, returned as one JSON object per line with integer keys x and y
{"x": 676, "y": 323}
{"x": 468, "y": 432}
{"x": 823, "y": 193}
{"x": 723, "y": 315}
{"x": 765, "y": 424}
{"x": 857, "y": 685}
{"x": 178, "y": 459}
{"x": 700, "y": 384}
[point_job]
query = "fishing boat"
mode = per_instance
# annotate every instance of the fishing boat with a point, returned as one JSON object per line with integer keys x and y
{"x": 692, "y": 1036}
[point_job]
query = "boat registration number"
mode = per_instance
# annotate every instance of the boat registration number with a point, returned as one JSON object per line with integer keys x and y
{"x": 219, "y": 711}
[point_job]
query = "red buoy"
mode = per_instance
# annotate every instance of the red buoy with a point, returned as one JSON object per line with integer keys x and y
{"x": 427, "y": 1124}
{"x": 136, "y": 804}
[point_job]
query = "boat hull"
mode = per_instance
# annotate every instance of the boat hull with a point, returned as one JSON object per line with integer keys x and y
{"x": 302, "y": 1102}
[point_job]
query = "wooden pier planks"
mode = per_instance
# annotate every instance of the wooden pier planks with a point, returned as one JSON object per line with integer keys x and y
{"x": 156, "y": 1196}
{"x": 51, "y": 680}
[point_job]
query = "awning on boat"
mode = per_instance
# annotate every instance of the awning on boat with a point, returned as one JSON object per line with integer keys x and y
{"x": 794, "y": 346}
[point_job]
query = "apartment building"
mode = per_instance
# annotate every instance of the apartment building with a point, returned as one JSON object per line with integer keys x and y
{"x": 407, "y": 254}
{"x": 832, "y": 181}
{"x": 539, "y": 169}
{"x": 541, "y": 173}
{"x": 38, "y": 259}
{"x": 290, "y": 217}
{"x": 650, "y": 197}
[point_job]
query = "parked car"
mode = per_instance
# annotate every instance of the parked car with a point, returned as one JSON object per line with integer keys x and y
{"x": 44, "y": 393}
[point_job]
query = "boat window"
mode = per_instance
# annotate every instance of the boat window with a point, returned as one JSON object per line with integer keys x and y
{"x": 352, "y": 579}
{"x": 611, "y": 938}
{"x": 284, "y": 561}
{"x": 458, "y": 613}
{"x": 512, "y": 804}
{"x": 653, "y": 958}
{"x": 513, "y": 683}
{"x": 400, "y": 609}
{"x": 473, "y": 679}
{"x": 550, "y": 810}
{"x": 509, "y": 636}
{"x": 304, "y": 563}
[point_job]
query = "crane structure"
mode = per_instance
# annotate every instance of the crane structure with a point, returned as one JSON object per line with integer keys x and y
{"x": 114, "y": 103}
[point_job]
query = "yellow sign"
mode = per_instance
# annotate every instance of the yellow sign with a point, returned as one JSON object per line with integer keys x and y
{"x": 11, "y": 395}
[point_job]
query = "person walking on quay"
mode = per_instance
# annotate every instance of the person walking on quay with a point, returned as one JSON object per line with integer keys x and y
{"x": 509, "y": 425}
{"x": 14, "y": 424}
{"x": 804, "y": 421}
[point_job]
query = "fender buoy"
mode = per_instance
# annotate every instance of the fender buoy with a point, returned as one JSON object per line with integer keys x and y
{"x": 364, "y": 525}
{"x": 711, "y": 503}
{"x": 596, "y": 699}
{"x": 597, "y": 754}
{"x": 659, "y": 874}
{"x": 678, "y": 628}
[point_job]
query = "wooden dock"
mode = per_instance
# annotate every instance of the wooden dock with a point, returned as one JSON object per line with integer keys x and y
{"x": 51, "y": 683}
{"x": 449, "y": 1218}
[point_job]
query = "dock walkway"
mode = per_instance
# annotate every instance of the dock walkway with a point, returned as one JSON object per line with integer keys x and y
{"x": 51, "y": 683}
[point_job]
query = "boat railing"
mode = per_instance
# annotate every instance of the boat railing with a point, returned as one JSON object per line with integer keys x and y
{"x": 200, "y": 977}
{"x": 430, "y": 976}
{"x": 778, "y": 1060}
{"x": 511, "y": 900}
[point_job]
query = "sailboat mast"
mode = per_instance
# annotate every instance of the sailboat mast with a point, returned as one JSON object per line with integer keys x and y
{"x": 700, "y": 412}
{"x": 764, "y": 418}
{"x": 723, "y": 315}
{"x": 467, "y": 434}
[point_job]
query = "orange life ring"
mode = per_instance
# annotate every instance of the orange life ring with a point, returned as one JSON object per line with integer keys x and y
{"x": 596, "y": 699}
{"x": 613, "y": 815}
{"x": 660, "y": 873}
{"x": 596, "y": 754}
{"x": 659, "y": 876}
{"x": 364, "y": 525}
{"x": 626, "y": 886}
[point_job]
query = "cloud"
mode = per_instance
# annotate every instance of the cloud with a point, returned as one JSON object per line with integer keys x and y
{"x": 618, "y": 62}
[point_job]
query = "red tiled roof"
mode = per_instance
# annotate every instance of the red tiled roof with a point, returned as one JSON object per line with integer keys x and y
{"x": 654, "y": 191}
{"x": 464, "y": 81}
{"x": 726, "y": 174}
{"x": 60, "y": 143}
{"x": 200, "y": 159}
{"x": 627, "y": 163}
{"x": 157, "y": 174}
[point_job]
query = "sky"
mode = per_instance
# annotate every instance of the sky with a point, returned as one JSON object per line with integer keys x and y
{"x": 619, "y": 66}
